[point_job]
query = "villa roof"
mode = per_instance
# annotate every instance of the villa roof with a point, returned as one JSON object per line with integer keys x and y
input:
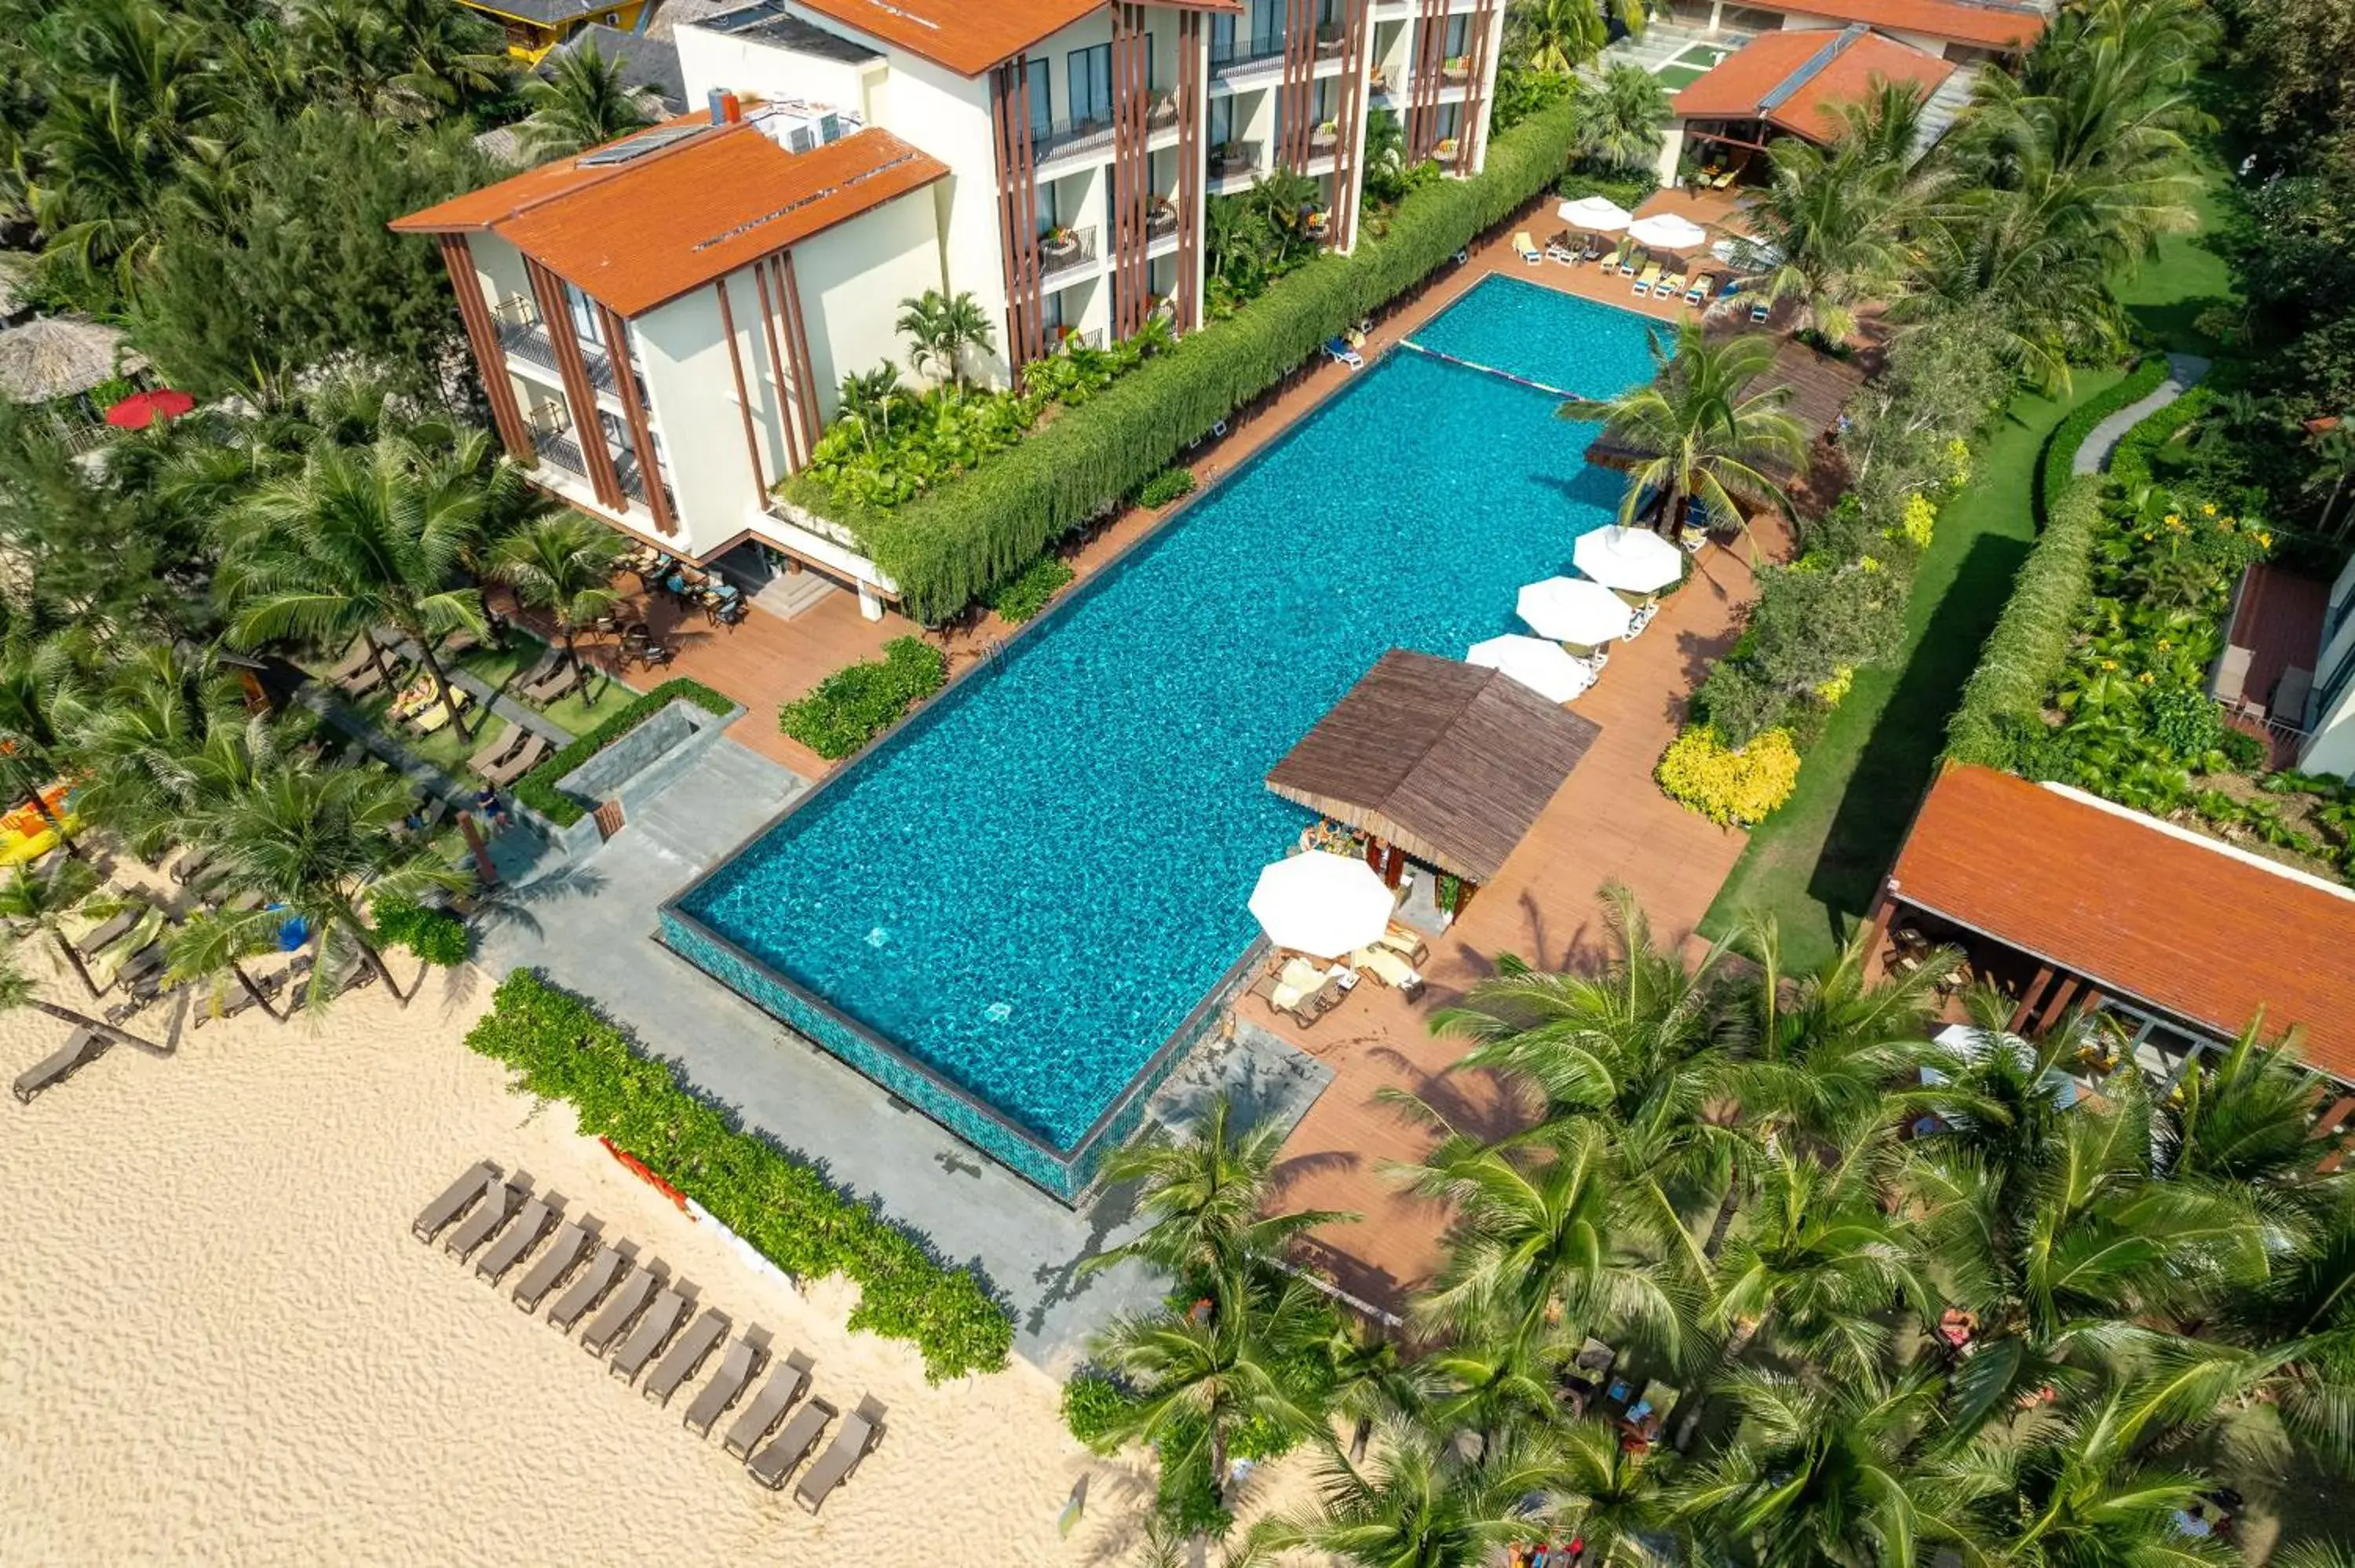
{"x": 971, "y": 36}
{"x": 637, "y": 233}
{"x": 1817, "y": 386}
{"x": 1985, "y": 24}
{"x": 1450, "y": 762}
{"x": 2142, "y": 910}
{"x": 1792, "y": 80}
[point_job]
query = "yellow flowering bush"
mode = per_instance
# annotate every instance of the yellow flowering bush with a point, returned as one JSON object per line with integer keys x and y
{"x": 1736, "y": 787}
{"x": 1959, "y": 464}
{"x": 1830, "y": 691}
{"x": 1919, "y": 521}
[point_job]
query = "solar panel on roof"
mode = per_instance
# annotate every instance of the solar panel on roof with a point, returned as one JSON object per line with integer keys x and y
{"x": 639, "y": 146}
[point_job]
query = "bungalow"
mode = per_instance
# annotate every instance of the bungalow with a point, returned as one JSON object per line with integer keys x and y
{"x": 1789, "y": 84}
{"x": 535, "y": 27}
{"x": 1958, "y": 30}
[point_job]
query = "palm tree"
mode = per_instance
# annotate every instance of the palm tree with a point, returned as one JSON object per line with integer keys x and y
{"x": 157, "y": 709}
{"x": 211, "y": 947}
{"x": 941, "y": 328}
{"x": 869, "y": 400}
{"x": 318, "y": 843}
{"x": 1702, "y": 433}
{"x": 1618, "y": 122}
{"x": 1207, "y": 1197}
{"x": 1560, "y": 36}
{"x": 361, "y": 538}
{"x": 582, "y": 102}
{"x": 450, "y": 59}
{"x": 1832, "y": 220}
{"x": 1618, "y": 1501}
{"x": 32, "y": 900}
{"x": 42, "y": 685}
{"x": 563, "y": 564}
{"x": 1421, "y": 1502}
{"x": 17, "y": 992}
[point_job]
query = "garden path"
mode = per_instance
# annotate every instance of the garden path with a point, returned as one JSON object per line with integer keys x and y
{"x": 2183, "y": 373}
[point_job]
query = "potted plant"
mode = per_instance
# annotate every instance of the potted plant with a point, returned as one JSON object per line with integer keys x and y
{"x": 1457, "y": 66}
{"x": 1060, "y": 243}
{"x": 1445, "y": 150}
{"x": 1327, "y": 133}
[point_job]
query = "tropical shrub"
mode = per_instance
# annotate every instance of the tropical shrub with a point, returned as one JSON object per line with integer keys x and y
{"x": 1092, "y": 1408}
{"x": 1023, "y": 596}
{"x": 2053, "y": 464}
{"x": 1168, "y": 486}
{"x": 2003, "y": 700}
{"x": 2130, "y": 465}
{"x": 853, "y": 705}
{"x": 777, "y": 1201}
{"x": 1919, "y": 523}
{"x": 435, "y": 936}
{"x": 537, "y": 787}
{"x": 1734, "y": 786}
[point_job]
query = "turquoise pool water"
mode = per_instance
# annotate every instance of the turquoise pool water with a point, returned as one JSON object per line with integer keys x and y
{"x": 1029, "y": 887}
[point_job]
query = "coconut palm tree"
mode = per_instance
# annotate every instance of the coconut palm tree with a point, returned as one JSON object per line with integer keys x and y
{"x": 35, "y": 901}
{"x": 1619, "y": 1503}
{"x": 1832, "y": 223}
{"x": 563, "y": 564}
{"x": 318, "y": 843}
{"x": 43, "y": 684}
{"x": 582, "y": 102}
{"x": 361, "y": 538}
{"x": 942, "y": 328}
{"x": 157, "y": 708}
{"x": 1421, "y": 1500}
{"x": 1207, "y": 1197}
{"x": 451, "y": 60}
{"x": 19, "y": 992}
{"x": 1700, "y": 432}
{"x": 1560, "y": 36}
{"x": 1619, "y": 122}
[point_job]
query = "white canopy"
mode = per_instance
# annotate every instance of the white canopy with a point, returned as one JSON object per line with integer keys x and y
{"x": 1539, "y": 665}
{"x": 1574, "y": 610}
{"x": 1599, "y": 214}
{"x": 1322, "y": 905}
{"x": 1667, "y": 231}
{"x": 1635, "y": 559}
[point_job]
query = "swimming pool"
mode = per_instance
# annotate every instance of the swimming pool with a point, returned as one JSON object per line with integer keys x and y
{"x": 1005, "y": 909}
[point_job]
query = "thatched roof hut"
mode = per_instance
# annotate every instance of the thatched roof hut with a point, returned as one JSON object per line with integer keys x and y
{"x": 1449, "y": 762}
{"x": 1816, "y": 388}
{"x": 57, "y": 357}
{"x": 15, "y": 271}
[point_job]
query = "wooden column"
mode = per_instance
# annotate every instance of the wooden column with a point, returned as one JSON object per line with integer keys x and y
{"x": 2027, "y": 998}
{"x": 1188, "y": 313}
{"x": 1423, "y": 98}
{"x": 483, "y": 337}
{"x": 589, "y": 431}
{"x": 778, "y": 371}
{"x": 1018, "y": 213}
{"x": 1358, "y": 30}
{"x": 789, "y": 302}
{"x": 1474, "y": 133}
{"x": 634, "y": 413}
{"x": 2061, "y": 995}
{"x": 744, "y": 402}
{"x": 1295, "y": 99}
{"x": 1132, "y": 166}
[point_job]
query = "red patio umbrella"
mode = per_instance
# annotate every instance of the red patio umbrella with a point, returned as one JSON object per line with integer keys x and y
{"x": 142, "y": 409}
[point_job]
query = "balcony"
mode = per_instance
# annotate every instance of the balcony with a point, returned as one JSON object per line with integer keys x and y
{"x": 523, "y": 336}
{"x": 1067, "y": 250}
{"x": 1235, "y": 160}
{"x": 1245, "y": 50}
{"x": 563, "y": 451}
{"x": 1161, "y": 220}
{"x": 1096, "y": 134}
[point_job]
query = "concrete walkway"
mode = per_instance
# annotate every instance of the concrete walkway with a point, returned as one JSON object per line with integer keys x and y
{"x": 2183, "y": 373}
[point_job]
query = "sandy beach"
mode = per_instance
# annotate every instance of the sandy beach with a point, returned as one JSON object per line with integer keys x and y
{"x": 223, "y": 1344}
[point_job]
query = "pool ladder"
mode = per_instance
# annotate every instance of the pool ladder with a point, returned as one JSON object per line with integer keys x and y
{"x": 993, "y": 654}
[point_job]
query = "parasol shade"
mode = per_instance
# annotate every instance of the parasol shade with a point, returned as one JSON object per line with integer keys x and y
{"x": 1667, "y": 231}
{"x": 1597, "y": 213}
{"x": 1635, "y": 559}
{"x": 1542, "y": 666}
{"x": 1322, "y": 905}
{"x": 1574, "y": 610}
{"x": 142, "y": 409}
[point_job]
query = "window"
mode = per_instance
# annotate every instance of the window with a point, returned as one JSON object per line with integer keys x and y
{"x": 1223, "y": 38}
{"x": 1091, "y": 73}
{"x": 1459, "y": 36}
{"x": 1267, "y": 25}
{"x": 588, "y": 323}
{"x": 1223, "y": 121}
{"x": 1037, "y": 76}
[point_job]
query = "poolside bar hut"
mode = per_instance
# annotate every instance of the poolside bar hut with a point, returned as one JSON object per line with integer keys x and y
{"x": 1443, "y": 763}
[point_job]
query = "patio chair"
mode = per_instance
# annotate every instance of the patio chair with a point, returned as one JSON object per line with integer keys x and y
{"x": 1390, "y": 966}
{"x": 1399, "y": 940}
{"x": 853, "y": 1441}
{"x": 1669, "y": 287}
{"x": 1337, "y": 350}
{"x": 562, "y": 1255}
{"x": 738, "y": 1368}
{"x": 86, "y": 1046}
{"x": 436, "y": 1215}
{"x": 621, "y": 1310}
{"x": 1526, "y": 248}
{"x": 1284, "y": 999}
{"x": 500, "y": 1201}
{"x": 1761, "y": 308}
{"x": 1701, "y": 284}
{"x": 1558, "y": 249}
{"x": 586, "y": 1292}
{"x": 1650, "y": 275}
{"x": 517, "y": 1239}
{"x": 685, "y": 1354}
{"x": 773, "y": 1464}
{"x": 510, "y": 740}
{"x": 111, "y": 931}
{"x": 768, "y": 1406}
{"x": 529, "y": 756}
{"x": 654, "y": 1330}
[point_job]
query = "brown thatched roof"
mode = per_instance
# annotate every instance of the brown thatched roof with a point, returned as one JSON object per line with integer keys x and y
{"x": 57, "y": 356}
{"x": 1816, "y": 388}
{"x": 1450, "y": 762}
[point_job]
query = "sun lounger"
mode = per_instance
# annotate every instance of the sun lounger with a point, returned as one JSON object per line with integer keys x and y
{"x": 1399, "y": 940}
{"x": 853, "y": 1441}
{"x": 1701, "y": 284}
{"x": 500, "y": 1201}
{"x": 783, "y": 1386}
{"x": 1558, "y": 248}
{"x": 437, "y": 717}
{"x": 510, "y": 741}
{"x": 586, "y": 1292}
{"x": 1651, "y": 275}
{"x": 1267, "y": 991}
{"x": 1762, "y": 309}
{"x": 357, "y": 659}
{"x": 621, "y": 1310}
{"x": 550, "y": 660}
{"x": 557, "y": 683}
{"x": 562, "y": 1255}
{"x": 738, "y": 1367}
{"x": 1390, "y": 966}
{"x": 529, "y": 756}
{"x": 113, "y": 930}
{"x": 686, "y": 1352}
{"x": 86, "y": 1046}
{"x": 654, "y": 1332}
{"x": 1526, "y": 248}
{"x": 516, "y": 1240}
{"x": 1669, "y": 287}
{"x": 773, "y": 1464}
{"x": 437, "y": 1214}
{"x": 236, "y": 1000}
{"x": 1337, "y": 350}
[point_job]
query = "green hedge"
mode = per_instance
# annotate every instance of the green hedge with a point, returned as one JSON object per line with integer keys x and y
{"x": 564, "y": 1049}
{"x": 2130, "y": 465}
{"x": 859, "y": 701}
{"x": 2023, "y": 656}
{"x": 2054, "y": 464}
{"x": 951, "y": 544}
{"x": 537, "y": 787}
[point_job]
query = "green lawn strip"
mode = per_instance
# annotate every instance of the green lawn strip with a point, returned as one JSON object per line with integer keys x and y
{"x": 2187, "y": 275}
{"x": 1814, "y": 863}
{"x": 577, "y": 715}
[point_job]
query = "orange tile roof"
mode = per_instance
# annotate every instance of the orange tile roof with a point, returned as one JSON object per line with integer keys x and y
{"x": 1981, "y": 23}
{"x": 632, "y": 236}
{"x": 971, "y": 36}
{"x": 2177, "y": 923}
{"x": 1791, "y": 80}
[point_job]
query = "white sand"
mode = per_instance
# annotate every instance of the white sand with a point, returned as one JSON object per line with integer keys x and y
{"x": 218, "y": 1341}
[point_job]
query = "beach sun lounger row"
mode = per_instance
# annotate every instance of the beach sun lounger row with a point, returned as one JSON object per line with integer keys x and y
{"x": 86, "y": 1046}
{"x": 642, "y": 1315}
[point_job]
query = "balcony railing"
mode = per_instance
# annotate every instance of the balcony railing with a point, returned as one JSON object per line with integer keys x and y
{"x": 1096, "y": 133}
{"x": 563, "y": 451}
{"x": 1077, "y": 248}
{"x": 1246, "y": 49}
{"x": 1161, "y": 222}
{"x": 523, "y": 335}
{"x": 1232, "y": 159}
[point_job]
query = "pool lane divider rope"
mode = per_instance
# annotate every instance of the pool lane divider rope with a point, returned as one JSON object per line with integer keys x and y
{"x": 1488, "y": 370}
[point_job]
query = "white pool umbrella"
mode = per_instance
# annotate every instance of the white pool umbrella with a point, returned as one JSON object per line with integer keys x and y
{"x": 1572, "y": 609}
{"x": 1598, "y": 213}
{"x": 1323, "y": 905}
{"x": 1635, "y": 559}
{"x": 1542, "y": 666}
{"x": 1667, "y": 231}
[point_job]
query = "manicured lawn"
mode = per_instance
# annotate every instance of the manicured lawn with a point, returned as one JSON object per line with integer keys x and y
{"x": 2168, "y": 294}
{"x": 579, "y": 712}
{"x": 1814, "y": 864}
